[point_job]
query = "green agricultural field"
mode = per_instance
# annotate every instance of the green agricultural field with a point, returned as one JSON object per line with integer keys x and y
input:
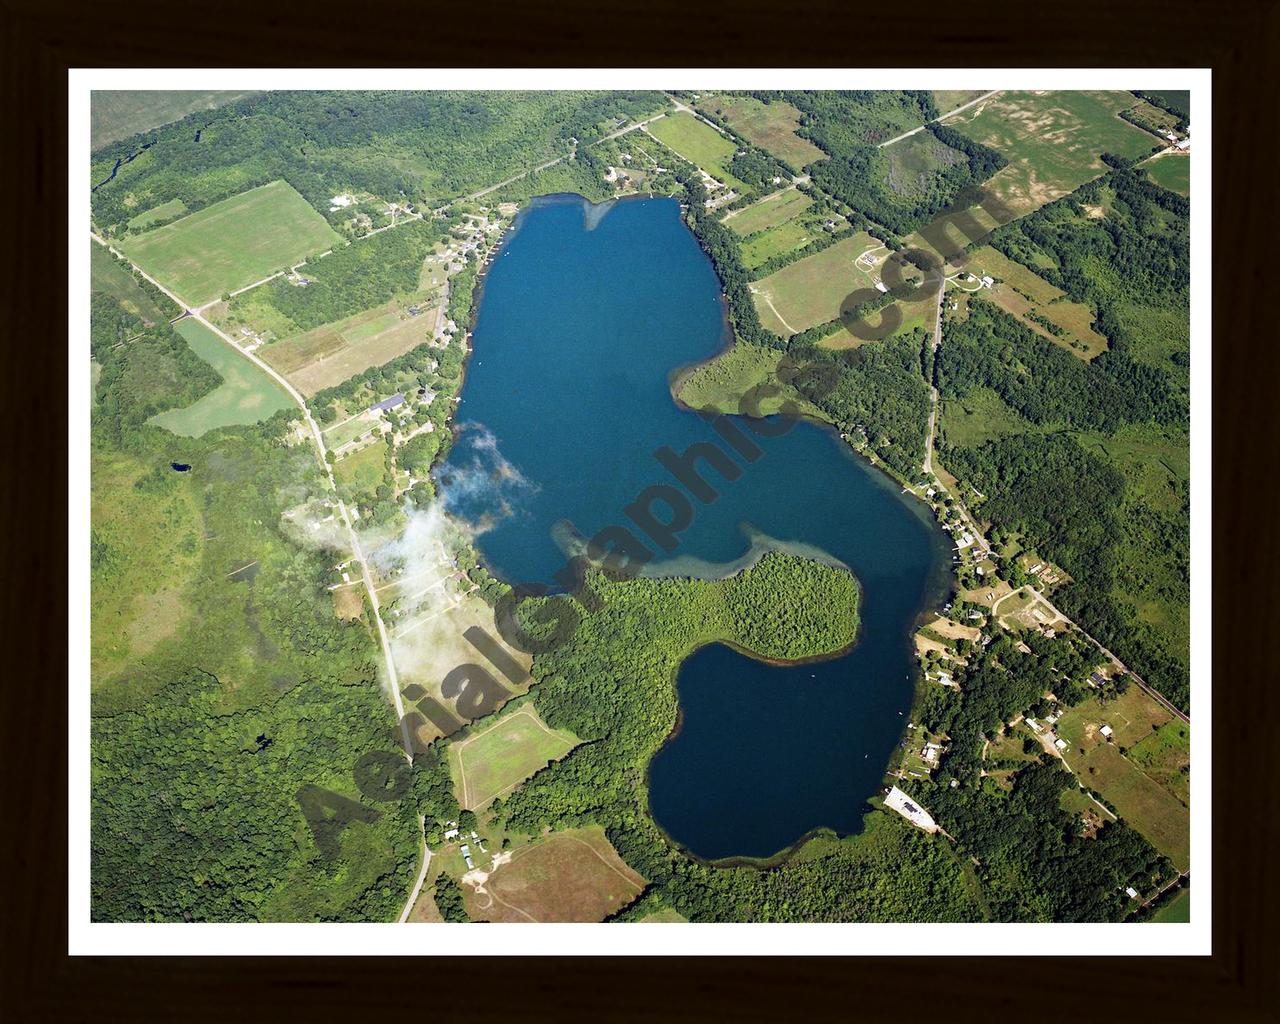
{"x": 165, "y": 211}
{"x": 108, "y": 275}
{"x": 247, "y": 394}
{"x": 769, "y": 212}
{"x": 771, "y": 126}
{"x": 1165, "y": 755}
{"x": 810, "y": 291}
{"x": 499, "y": 757}
{"x": 232, "y": 243}
{"x": 1053, "y": 141}
{"x": 779, "y": 241}
{"x": 1173, "y": 171}
{"x": 698, "y": 143}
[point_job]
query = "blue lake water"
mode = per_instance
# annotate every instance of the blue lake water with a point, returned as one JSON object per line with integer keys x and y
{"x": 585, "y": 314}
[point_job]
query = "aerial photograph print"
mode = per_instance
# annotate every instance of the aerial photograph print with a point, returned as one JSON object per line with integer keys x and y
{"x": 638, "y": 505}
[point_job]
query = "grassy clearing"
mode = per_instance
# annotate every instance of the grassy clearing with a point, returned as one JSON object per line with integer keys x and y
{"x": 1176, "y": 911}
{"x": 913, "y": 166}
{"x": 769, "y": 212}
{"x": 107, "y": 275}
{"x": 664, "y": 916}
{"x": 500, "y": 756}
{"x": 566, "y": 876}
{"x": 232, "y": 243}
{"x": 247, "y": 395}
{"x": 771, "y": 126}
{"x": 157, "y": 214}
{"x": 1172, "y": 170}
{"x": 1020, "y": 291}
{"x": 362, "y": 471}
{"x": 721, "y": 383}
{"x": 1165, "y": 755}
{"x": 1052, "y": 140}
{"x": 948, "y": 99}
{"x": 698, "y": 143}
{"x": 810, "y": 291}
{"x": 146, "y": 549}
{"x": 785, "y": 238}
{"x": 1150, "y": 804}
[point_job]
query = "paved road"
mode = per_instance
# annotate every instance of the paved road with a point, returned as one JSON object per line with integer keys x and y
{"x": 940, "y": 117}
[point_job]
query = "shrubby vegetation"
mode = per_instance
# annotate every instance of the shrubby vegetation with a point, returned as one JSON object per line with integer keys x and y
{"x": 204, "y": 737}
{"x": 423, "y": 146}
{"x": 353, "y": 277}
{"x": 1122, "y": 534}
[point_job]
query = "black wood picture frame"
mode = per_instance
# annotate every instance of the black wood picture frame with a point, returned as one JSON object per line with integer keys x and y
{"x": 40, "y": 41}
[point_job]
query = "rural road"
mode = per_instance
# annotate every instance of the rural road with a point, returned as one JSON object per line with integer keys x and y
{"x": 318, "y": 438}
{"x": 940, "y": 117}
{"x": 356, "y": 549}
{"x": 422, "y": 871}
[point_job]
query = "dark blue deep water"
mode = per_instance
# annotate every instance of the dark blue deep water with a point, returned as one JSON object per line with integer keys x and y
{"x": 585, "y": 314}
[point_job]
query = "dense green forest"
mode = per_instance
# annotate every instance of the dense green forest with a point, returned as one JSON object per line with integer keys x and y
{"x": 1116, "y": 428}
{"x": 196, "y": 815}
{"x": 426, "y": 146}
{"x": 874, "y": 392}
{"x": 613, "y": 684}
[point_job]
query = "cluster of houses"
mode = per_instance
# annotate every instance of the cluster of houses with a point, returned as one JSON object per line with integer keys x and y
{"x": 453, "y": 832}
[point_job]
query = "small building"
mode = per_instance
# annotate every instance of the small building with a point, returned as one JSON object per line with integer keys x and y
{"x": 387, "y": 404}
{"x": 466, "y": 856}
{"x": 881, "y": 286}
{"x": 1106, "y": 730}
{"x": 1131, "y": 892}
{"x": 451, "y": 834}
{"x": 988, "y": 281}
{"x": 1035, "y": 726}
{"x": 1060, "y": 743}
